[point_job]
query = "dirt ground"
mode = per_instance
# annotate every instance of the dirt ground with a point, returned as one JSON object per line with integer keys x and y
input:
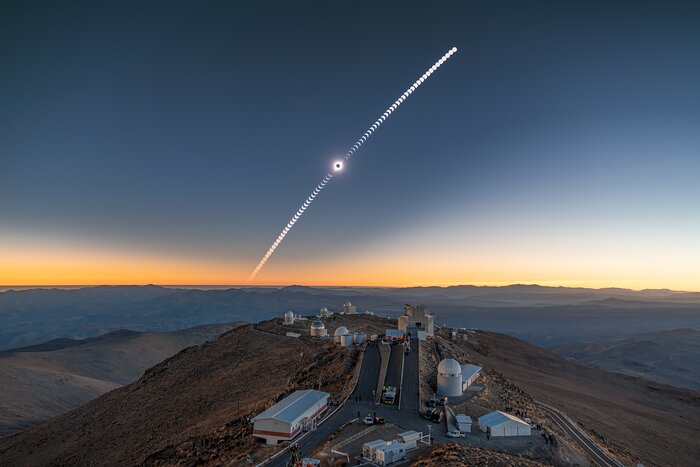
{"x": 496, "y": 393}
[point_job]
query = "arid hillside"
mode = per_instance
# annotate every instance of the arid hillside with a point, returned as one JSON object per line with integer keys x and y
{"x": 459, "y": 455}
{"x": 42, "y": 381}
{"x": 190, "y": 408}
{"x": 669, "y": 357}
{"x": 651, "y": 422}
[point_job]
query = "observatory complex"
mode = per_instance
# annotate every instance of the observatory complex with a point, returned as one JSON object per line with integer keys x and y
{"x": 417, "y": 322}
{"x": 453, "y": 379}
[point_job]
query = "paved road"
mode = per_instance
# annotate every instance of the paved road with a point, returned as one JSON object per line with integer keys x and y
{"x": 599, "y": 456}
{"x": 369, "y": 373}
{"x": 366, "y": 383}
{"x": 393, "y": 373}
{"x": 410, "y": 395}
{"x": 408, "y": 417}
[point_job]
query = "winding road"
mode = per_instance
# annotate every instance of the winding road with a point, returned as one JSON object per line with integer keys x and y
{"x": 595, "y": 452}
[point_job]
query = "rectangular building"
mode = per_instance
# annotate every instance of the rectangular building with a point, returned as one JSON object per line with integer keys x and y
{"x": 369, "y": 449}
{"x": 287, "y": 418}
{"x": 504, "y": 424}
{"x": 390, "y": 453}
{"x": 409, "y": 439}
{"x": 469, "y": 374}
{"x": 464, "y": 423}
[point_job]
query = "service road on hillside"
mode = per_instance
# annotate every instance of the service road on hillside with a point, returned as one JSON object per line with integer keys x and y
{"x": 599, "y": 456}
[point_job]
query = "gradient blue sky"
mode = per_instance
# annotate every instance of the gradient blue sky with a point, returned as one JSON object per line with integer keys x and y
{"x": 170, "y": 142}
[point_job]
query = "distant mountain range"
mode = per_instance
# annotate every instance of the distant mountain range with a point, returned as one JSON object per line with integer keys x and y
{"x": 543, "y": 315}
{"x": 671, "y": 357}
{"x": 45, "y": 380}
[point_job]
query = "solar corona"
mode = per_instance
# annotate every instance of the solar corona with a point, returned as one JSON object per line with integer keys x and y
{"x": 338, "y": 165}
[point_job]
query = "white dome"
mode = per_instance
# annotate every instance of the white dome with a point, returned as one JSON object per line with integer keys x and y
{"x": 341, "y": 331}
{"x": 317, "y": 325}
{"x": 324, "y": 310}
{"x": 289, "y": 314}
{"x": 449, "y": 366}
{"x": 348, "y": 304}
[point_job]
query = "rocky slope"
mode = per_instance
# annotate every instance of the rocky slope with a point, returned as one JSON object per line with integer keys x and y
{"x": 46, "y": 380}
{"x": 637, "y": 419}
{"x": 459, "y": 455}
{"x": 189, "y": 409}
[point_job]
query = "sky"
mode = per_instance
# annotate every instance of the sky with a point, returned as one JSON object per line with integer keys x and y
{"x": 170, "y": 142}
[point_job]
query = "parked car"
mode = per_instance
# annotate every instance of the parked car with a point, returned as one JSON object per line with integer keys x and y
{"x": 429, "y": 414}
{"x": 368, "y": 421}
{"x": 437, "y": 416}
{"x": 455, "y": 434}
{"x": 379, "y": 421}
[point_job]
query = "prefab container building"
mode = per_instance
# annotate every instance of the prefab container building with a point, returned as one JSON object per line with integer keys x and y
{"x": 369, "y": 449}
{"x": 390, "y": 453}
{"x": 504, "y": 424}
{"x": 287, "y": 418}
{"x": 464, "y": 423}
{"x": 409, "y": 439}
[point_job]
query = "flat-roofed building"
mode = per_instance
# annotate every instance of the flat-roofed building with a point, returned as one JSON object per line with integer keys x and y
{"x": 464, "y": 423}
{"x": 504, "y": 424}
{"x": 369, "y": 449}
{"x": 409, "y": 439}
{"x": 390, "y": 453}
{"x": 469, "y": 374}
{"x": 286, "y": 419}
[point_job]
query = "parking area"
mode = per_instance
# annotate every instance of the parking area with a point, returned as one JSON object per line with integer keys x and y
{"x": 348, "y": 442}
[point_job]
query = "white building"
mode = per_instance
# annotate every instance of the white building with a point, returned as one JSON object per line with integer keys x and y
{"x": 317, "y": 329}
{"x": 287, "y": 418}
{"x": 464, "y": 423}
{"x": 346, "y": 340}
{"x": 289, "y": 317}
{"x": 359, "y": 337}
{"x": 449, "y": 378}
{"x": 369, "y": 449}
{"x": 340, "y": 331}
{"x": 503, "y": 424}
{"x": 409, "y": 439}
{"x": 324, "y": 313}
{"x": 469, "y": 374}
{"x": 417, "y": 322}
{"x": 349, "y": 309}
{"x": 390, "y": 453}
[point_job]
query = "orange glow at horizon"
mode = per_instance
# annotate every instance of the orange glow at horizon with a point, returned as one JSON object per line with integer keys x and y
{"x": 30, "y": 262}
{"x": 92, "y": 268}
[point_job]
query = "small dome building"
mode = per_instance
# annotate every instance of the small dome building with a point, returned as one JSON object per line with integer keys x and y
{"x": 449, "y": 378}
{"x": 289, "y": 317}
{"x": 341, "y": 331}
{"x": 317, "y": 329}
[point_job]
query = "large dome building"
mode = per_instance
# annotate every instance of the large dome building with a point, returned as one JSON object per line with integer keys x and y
{"x": 289, "y": 317}
{"x": 317, "y": 329}
{"x": 449, "y": 378}
{"x": 341, "y": 331}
